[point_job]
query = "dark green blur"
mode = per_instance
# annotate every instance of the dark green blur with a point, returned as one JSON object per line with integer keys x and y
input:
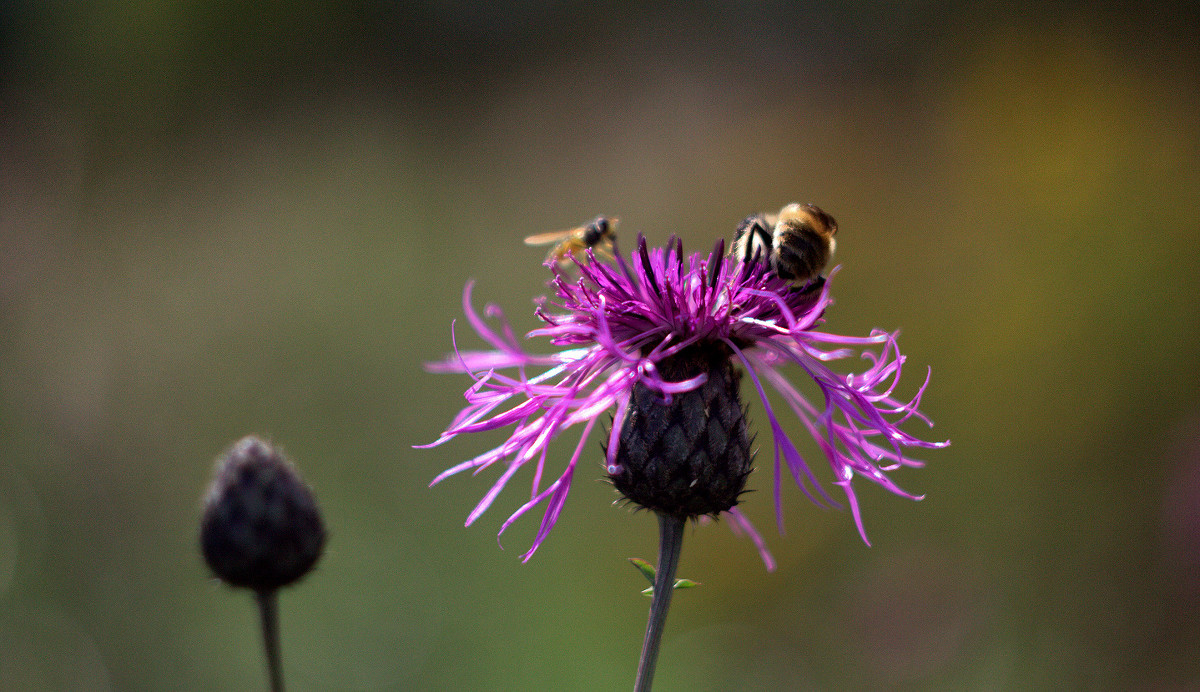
{"x": 219, "y": 219}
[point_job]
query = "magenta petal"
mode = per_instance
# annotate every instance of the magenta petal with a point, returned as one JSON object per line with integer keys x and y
{"x": 740, "y": 524}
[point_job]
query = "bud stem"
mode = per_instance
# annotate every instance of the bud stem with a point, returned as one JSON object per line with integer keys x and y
{"x": 268, "y": 610}
{"x": 670, "y": 544}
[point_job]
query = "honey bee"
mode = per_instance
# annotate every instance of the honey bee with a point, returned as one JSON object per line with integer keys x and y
{"x": 795, "y": 244}
{"x": 571, "y": 243}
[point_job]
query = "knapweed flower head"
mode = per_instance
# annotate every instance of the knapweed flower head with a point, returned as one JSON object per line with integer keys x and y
{"x": 661, "y": 340}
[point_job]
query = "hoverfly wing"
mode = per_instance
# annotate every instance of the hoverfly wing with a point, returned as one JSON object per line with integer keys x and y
{"x": 550, "y": 237}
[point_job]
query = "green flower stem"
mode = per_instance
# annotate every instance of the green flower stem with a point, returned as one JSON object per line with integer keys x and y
{"x": 268, "y": 610}
{"x": 670, "y": 544}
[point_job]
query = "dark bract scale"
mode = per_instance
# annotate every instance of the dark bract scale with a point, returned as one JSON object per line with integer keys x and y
{"x": 261, "y": 527}
{"x": 690, "y": 456}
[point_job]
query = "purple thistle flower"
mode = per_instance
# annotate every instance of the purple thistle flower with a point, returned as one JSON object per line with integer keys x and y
{"x": 618, "y": 327}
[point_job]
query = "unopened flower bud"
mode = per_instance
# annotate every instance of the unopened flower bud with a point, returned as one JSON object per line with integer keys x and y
{"x": 261, "y": 527}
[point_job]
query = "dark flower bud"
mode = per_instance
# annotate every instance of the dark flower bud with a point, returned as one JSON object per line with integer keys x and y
{"x": 690, "y": 457}
{"x": 261, "y": 528}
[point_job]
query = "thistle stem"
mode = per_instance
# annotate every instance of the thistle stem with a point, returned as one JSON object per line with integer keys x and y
{"x": 670, "y": 544}
{"x": 268, "y": 610}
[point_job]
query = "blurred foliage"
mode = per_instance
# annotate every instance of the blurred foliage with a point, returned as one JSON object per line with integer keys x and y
{"x": 220, "y": 218}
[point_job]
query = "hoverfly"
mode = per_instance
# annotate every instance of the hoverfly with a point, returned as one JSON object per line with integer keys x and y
{"x": 572, "y": 243}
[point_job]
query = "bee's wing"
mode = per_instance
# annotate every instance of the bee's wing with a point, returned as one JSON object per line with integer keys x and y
{"x": 549, "y": 237}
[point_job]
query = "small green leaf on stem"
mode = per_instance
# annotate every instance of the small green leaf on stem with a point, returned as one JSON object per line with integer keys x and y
{"x": 679, "y": 584}
{"x": 645, "y": 568}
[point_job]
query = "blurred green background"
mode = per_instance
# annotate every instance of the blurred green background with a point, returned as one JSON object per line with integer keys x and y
{"x": 220, "y": 218}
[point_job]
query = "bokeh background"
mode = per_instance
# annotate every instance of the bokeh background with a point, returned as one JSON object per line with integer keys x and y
{"x": 221, "y": 218}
